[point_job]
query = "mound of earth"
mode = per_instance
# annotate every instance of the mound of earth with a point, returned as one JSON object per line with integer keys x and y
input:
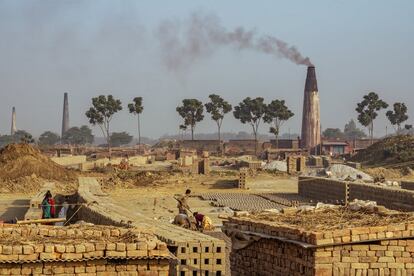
{"x": 384, "y": 173}
{"x": 133, "y": 179}
{"x": 389, "y": 151}
{"x": 24, "y": 168}
{"x": 343, "y": 172}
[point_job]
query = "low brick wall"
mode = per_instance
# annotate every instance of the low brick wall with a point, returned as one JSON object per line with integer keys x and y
{"x": 323, "y": 189}
{"x": 392, "y": 198}
{"x": 407, "y": 185}
{"x": 286, "y": 250}
{"x": 328, "y": 190}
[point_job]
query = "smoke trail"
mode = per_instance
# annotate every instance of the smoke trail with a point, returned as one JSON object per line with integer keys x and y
{"x": 182, "y": 45}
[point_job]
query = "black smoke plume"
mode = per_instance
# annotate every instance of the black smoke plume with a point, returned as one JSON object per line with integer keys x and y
{"x": 182, "y": 44}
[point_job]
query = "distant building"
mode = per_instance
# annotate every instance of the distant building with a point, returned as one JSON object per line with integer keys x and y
{"x": 335, "y": 147}
{"x": 339, "y": 146}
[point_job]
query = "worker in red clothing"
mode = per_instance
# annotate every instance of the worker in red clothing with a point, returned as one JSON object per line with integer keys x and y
{"x": 203, "y": 222}
{"x": 48, "y": 206}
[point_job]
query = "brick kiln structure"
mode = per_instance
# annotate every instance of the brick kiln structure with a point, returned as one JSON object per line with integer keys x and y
{"x": 311, "y": 123}
{"x": 81, "y": 250}
{"x": 275, "y": 249}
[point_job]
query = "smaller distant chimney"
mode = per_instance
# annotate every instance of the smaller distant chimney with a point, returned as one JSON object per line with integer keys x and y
{"x": 65, "y": 119}
{"x": 13, "y": 122}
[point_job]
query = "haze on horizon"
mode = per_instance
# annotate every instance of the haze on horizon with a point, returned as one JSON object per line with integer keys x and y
{"x": 87, "y": 48}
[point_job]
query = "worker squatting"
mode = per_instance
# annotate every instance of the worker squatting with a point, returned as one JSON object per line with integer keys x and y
{"x": 188, "y": 219}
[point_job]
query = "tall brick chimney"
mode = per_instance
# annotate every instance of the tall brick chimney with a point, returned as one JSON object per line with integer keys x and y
{"x": 65, "y": 120}
{"x": 311, "y": 123}
{"x": 13, "y": 122}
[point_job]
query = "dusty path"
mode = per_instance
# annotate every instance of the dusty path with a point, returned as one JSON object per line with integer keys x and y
{"x": 158, "y": 202}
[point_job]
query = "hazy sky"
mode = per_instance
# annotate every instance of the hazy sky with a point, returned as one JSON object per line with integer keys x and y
{"x": 87, "y": 48}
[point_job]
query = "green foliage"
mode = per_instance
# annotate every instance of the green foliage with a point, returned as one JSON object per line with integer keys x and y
{"x": 120, "y": 138}
{"x": 251, "y": 111}
{"x": 20, "y": 136}
{"x": 49, "y": 138}
{"x": 277, "y": 113}
{"x": 352, "y": 132}
{"x": 398, "y": 115}
{"x": 101, "y": 113}
{"x": 78, "y": 136}
{"x": 136, "y": 108}
{"x": 27, "y": 139}
{"x": 192, "y": 113}
{"x": 333, "y": 133}
{"x": 218, "y": 107}
{"x": 367, "y": 111}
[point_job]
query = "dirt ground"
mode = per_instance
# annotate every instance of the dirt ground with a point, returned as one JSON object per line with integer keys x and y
{"x": 157, "y": 201}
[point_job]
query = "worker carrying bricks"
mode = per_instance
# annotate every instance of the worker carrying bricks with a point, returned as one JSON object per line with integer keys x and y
{"x": 203, "y": 222}
{"x": 182, "y": 204}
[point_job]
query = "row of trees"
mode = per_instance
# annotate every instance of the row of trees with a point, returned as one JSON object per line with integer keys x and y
{"x": 75, "y": 135}
{"x": 368, "y": 110}
{"x": 249, "y": 111}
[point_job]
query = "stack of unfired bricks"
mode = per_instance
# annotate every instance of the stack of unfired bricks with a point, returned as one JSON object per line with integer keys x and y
{"x": 296, "y": 164}
{"x": 242, "y": 183}
{"x": 289, "y": 250}
{"x": 42, "y": 250}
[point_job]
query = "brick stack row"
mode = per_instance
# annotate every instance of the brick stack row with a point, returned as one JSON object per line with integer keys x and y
{"x": 97, "y": 250}
{"x": 276, "y": 249}
{"x": 89, "y": 268}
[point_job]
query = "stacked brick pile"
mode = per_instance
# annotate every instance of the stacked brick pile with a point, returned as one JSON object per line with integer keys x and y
{"x": 287, "y": 249}
{"x": 296, "y": 164}
{"x": 243, "y": 173}
{"x": 316, "y": 161}
{"x": 58, "y": 250}
{"x": 301, "y": 163}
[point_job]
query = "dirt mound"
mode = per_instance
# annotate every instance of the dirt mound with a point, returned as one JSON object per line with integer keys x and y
{"x": 384, "y": 173}
{"x": 133, "y": 179}
{"x": 24, "y": 164}
{"x": 389, "y": 151}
